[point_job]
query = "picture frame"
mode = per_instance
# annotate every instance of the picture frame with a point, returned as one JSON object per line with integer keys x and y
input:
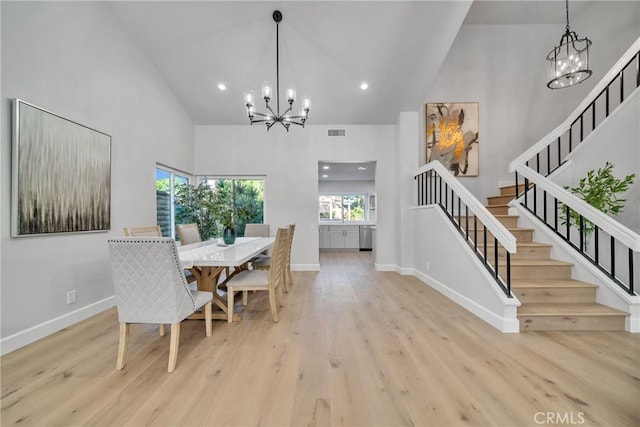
{"x": 61, "y": 174}
{"x": 452, "y": 136}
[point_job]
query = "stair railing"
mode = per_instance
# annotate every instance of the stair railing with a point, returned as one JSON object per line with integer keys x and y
{"x": 435, "y": 185}
{"x": 558, "y": 209}
{"x": 550, "y": 152}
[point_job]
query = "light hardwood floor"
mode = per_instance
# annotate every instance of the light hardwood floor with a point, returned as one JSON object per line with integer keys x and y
{"x": 353, "y": 347}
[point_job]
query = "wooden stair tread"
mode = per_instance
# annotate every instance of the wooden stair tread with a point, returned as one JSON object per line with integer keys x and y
{"x": 568, "y": 309}
{"x": 550, "y": 283}
{"x": 535, "y": 262}
{"x": 528, "y": 245}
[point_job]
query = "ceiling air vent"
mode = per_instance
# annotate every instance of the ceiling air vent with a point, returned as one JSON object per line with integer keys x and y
{"x": 336, "y": 132}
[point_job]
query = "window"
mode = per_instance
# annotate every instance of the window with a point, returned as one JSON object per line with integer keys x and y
{"x": 167, "y": 181}
{"x": 343, "y": 208}
{"x": 244, "y": 197}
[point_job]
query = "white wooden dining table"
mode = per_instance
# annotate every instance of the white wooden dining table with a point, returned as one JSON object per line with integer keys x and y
{"x": 208, "y": 259}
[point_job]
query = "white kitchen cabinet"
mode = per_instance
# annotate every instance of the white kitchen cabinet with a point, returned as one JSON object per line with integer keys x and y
{"x": 324, "y": 237}
{"x": 344, "y": 237}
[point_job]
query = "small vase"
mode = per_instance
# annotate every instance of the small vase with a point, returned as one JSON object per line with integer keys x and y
{"x": 229, "y": 235}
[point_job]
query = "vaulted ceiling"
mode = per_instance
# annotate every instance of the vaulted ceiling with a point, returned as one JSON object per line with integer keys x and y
{"x": 327, "y": 49}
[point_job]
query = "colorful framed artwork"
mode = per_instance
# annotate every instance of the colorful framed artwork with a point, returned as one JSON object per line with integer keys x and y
{"x": 452, "y": 136}
{"x": 61, "y": 174}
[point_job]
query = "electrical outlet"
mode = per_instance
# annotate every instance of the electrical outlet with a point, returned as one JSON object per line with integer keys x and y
{"x": 71, "y": 297}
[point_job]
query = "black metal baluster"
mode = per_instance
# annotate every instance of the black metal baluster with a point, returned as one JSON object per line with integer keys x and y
{"x": 596, "y": 245}
{"x": 544, "y": 205}
{"x": 535, "y": 200}
{"x": 581, "y": 233}
{"x": 555, "y": 213}
{"x": 452, "y": 205}
{"x": 526, "y": 188}
{"x": 548, "y": 159}
{"x": 613, "y": 257}
{"x": 495, "y": 255}
{"x": 517, "y": 189}
{"x": 559, "y": 151}
{"x": 459, "y": 213}
{"x": 621, "y": 87}
{"x": 508, "y": 272}
{"x": 475, "y": 233}
{"x": 631, "y": 271}
{"x": 484, "y": 243}
{"x": 606, "y": 110}
{"x": 581, "y": 127}
{"x": 538, "y": 162}
{"x": 571, "y": 137}
{"x": 466, "y": 220}
{"x": 568, "y": 217}
{"x": 593, "y": 116}
{"x": 446, "y": 198}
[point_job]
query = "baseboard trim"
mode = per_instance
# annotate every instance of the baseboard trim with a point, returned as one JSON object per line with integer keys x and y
{"x": 34, "y": 333}
{"x": 305, "y": 267}
{"x": 504, "y": 324}
{"x": 386, "y": 267}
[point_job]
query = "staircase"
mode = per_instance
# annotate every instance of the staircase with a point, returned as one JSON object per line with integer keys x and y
{"x": 551, "y": 299}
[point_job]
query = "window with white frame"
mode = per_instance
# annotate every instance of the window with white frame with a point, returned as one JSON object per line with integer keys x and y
{"x": 342, "y": 208}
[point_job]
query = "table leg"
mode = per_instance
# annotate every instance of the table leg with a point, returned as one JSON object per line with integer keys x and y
{"x": 207, "y": 280}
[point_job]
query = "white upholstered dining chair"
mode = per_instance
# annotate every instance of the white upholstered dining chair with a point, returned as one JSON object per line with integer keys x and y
{"x": 151, "y": 287}
{"x": 260, "y": 280}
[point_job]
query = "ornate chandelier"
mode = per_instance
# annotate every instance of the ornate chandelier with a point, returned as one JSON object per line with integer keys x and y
{"x": 273, "y": 117}
{"x": 569, "y": 61}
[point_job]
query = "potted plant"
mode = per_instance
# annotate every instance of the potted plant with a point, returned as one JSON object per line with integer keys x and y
{"x": 602, "y": 190}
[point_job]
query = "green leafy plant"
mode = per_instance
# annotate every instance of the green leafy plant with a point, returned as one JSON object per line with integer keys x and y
{"x": 602, "y": 190}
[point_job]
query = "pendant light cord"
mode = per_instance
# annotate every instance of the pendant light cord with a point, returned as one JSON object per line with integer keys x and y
{"x": 567, "y": 9}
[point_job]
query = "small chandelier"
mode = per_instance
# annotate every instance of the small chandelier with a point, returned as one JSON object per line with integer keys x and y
{"x": 569, "y": 61}
{"x": 273, "y": 117}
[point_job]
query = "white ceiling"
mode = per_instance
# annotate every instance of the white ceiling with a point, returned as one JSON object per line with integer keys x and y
{"x": 327, "y": 48}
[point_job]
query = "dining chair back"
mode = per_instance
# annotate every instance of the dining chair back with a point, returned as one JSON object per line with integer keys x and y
{"x": 256, "y": 230}
{"x": 261, "y": 280}
{"x": 188, "y": 233}
{"x": 151, "y": 230}
{"x": 264, "y": 263}
{"x": 151, "y": 287}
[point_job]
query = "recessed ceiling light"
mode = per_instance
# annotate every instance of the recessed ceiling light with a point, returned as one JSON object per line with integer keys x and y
{"x": 362, "y": 168}
{"x": 325, "y": 167}
{"x": 364, "y": 85}
{"x": 325, "y": 176}
{"x": 222, "y": 86}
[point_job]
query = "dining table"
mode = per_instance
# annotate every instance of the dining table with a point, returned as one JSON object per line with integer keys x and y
{"x": 207, "y": 260}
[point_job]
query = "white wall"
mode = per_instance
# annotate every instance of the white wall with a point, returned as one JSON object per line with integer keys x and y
{"x": 290, "y": 163}
{"x": 503, "y": 68}
{"x": 76, "y": 60}
{"x": 442, "y": 259}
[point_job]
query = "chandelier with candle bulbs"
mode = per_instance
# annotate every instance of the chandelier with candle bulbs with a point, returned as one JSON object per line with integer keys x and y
{"x": 569, "y": 61}
{"x": 272, "y": 117}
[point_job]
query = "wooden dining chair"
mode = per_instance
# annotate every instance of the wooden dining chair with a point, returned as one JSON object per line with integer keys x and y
{"x": 150, "y": 230}
{"x": 188, "y": 233}
{"x": 264, "y": 263}
{"x": 260, "y": 280}
{"x": 151, "y": 287}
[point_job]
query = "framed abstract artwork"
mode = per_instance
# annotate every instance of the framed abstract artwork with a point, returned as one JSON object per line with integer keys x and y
{"x": 61, "y": 174}
{"x": 452, "y": 136}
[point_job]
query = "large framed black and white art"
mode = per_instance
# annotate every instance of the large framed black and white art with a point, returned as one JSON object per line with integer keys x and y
{"x": 61, "y": 174}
